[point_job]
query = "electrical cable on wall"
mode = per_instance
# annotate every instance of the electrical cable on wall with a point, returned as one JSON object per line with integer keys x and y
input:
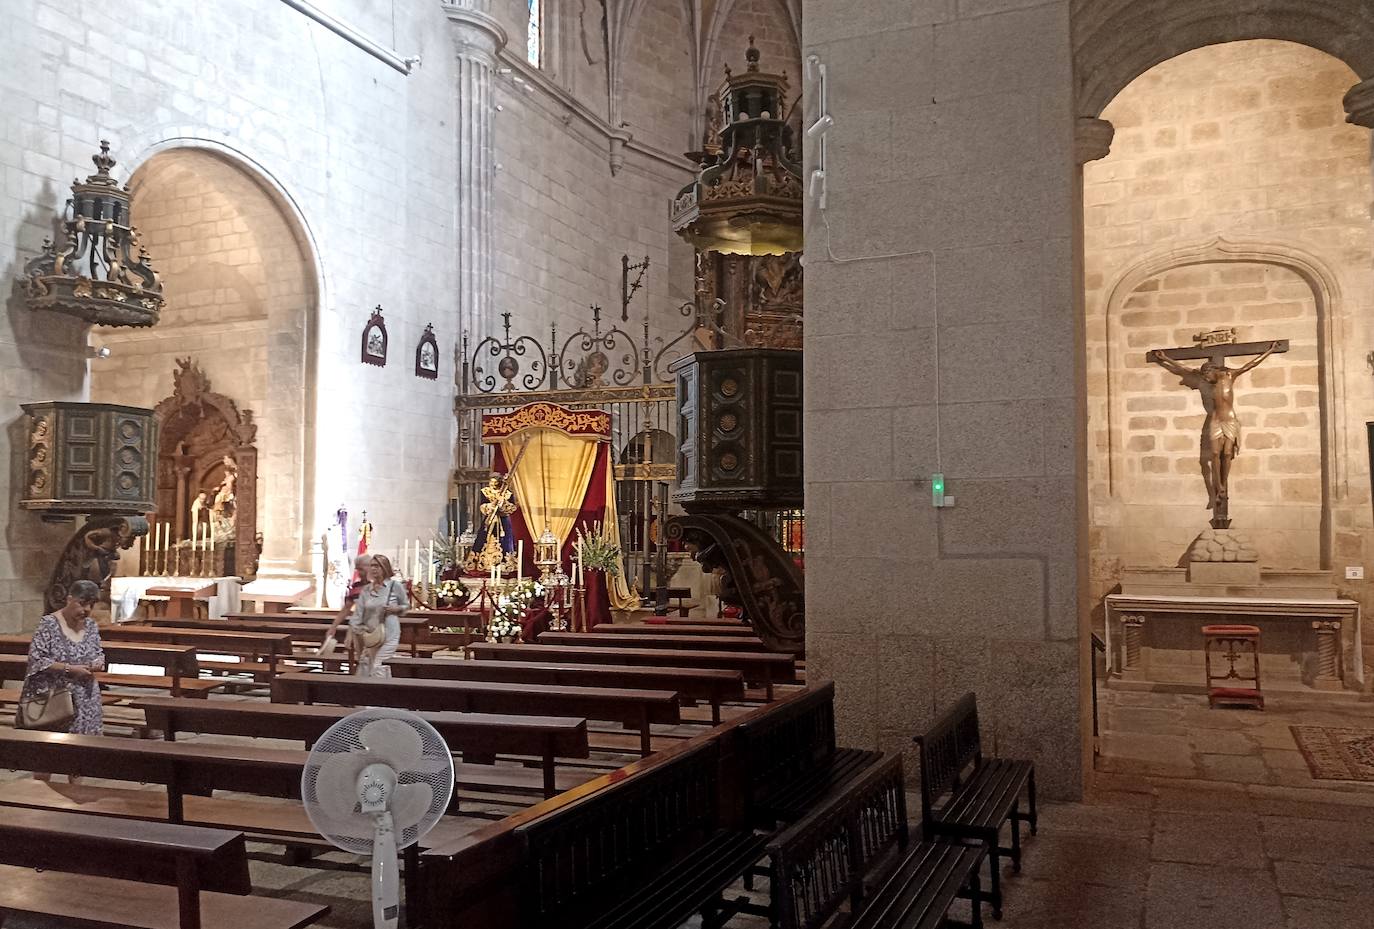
{"x": 816, "y": 190}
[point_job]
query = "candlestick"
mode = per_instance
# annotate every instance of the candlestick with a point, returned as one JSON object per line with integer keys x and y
{"x": 430, "y": 573}
{"x": 195, "y": 540}
{"x": 520, "y": 561}
{"x": 166, "y": 548}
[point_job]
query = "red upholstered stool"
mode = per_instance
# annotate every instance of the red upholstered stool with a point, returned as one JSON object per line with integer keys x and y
{"x": 1233, "y": 643}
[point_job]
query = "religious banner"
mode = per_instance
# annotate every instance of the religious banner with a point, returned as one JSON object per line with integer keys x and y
{"x": 562, "y": 477}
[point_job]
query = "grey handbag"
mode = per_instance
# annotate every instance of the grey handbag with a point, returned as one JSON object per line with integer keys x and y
{"x": 50, "y": 710}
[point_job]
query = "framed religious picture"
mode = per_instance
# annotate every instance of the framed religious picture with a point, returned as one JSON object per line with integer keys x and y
{"x": 374, "y": 340}
{"x": 427, "y": 355}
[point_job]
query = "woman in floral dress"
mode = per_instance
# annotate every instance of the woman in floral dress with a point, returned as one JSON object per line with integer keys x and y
{"x": 65, "y": 652}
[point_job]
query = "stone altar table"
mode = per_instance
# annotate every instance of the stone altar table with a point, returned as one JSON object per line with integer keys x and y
{"x": 1313, "y": 641}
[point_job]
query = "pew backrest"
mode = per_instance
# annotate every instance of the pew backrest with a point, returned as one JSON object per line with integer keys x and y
{"x": 825, "y": 857}
{"x": 573, "y": 864}
{"x": 947, "y": 749}
{"x": 781, "y": 746}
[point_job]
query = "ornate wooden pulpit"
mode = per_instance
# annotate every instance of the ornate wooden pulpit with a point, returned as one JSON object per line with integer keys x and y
{"x": 740, "y": 426}
{"x": 96, "y": 459}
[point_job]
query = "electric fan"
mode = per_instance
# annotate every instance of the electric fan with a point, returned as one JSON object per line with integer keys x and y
{"x": 375, "y": 782}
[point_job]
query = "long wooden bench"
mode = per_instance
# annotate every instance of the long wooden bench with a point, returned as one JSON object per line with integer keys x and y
{"x": 190, "y": 772}
{"x": 412, "y": 630}
{"x": 721, "y": 643}
{"x": 135, "y": 875}
{"x": 642, "y": 854}
{"x": 735, "y": 630}
{"x": 637, "y": 709}
{"x": 479, "y": 736}
{"x": 481, "y": 879}
{"x": 855, "y": 846}
{"x": 791, "y": 758}
{"x": 965, "y": 795}
{"x": 767, "y": 668}
{"x": 711, "y": 686}
{"x": 179, "y": 665}
{"x": 715, "y": 621}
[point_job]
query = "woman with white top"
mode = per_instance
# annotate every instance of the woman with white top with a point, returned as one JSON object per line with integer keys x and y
{"x": 379, "y": 602}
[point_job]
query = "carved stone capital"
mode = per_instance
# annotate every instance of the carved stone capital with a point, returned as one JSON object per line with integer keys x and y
{"x": 1092, "y": 139}
{"x": 1359, "y": 104}
{"x": 617, "y": 140}
{"x": 474, "y": 31}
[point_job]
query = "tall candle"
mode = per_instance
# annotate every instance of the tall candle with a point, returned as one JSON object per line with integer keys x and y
{"x": 520, "y": 561}
{"x": 195, "y": 535}
{"x": 212, "y": 535}
{"x": 431, "y": 563}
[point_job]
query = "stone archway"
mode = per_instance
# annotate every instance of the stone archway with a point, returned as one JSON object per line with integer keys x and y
{"x": 243, "y": 301}
{"x": 1116, "y": 41}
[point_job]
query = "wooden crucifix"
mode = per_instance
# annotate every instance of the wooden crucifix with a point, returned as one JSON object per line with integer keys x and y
{"x": 1216, "y": 384}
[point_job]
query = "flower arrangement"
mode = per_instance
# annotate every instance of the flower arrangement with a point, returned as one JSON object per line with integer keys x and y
{"x": 510, "y": 609}
{"x": 451, "y": 593}
{"x": 598, "y": 550}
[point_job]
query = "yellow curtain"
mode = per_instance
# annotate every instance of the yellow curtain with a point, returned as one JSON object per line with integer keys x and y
{"x": 550, "y": 483}
{"x": 551, "y": 479}
{"x": 618, "y": 590}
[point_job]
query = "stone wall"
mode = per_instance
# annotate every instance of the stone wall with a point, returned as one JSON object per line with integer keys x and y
{"x": 1234, "y": 176}
{"x": 941, "y": 334}
{"x": 359, "y": 157}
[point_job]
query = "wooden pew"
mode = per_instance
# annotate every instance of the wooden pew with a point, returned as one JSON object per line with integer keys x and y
{"x": 766, "y": 668}
{"x": 480, "y": 735}
{"x": 137, "y": 875}
{"x": 189, "y": 771}
{"x": 263, "y": 650}
{"x": 269, "y": 772}
{"x": 486, "y": 877}
{"x": 181, "y": 670}
{"x": 791, "y": 758}
{"x": 713, "y": 621}
{"x": 637, "y": 709}
{"x": 413, "y": 631}
{"x": 737, "y": 630}
{"x": 705, "y": 684}
{"x": 716, "y": 643}
{"x": 888, "y": 881}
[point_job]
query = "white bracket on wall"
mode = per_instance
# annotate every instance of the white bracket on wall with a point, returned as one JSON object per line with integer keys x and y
{"x": 815, "y": 75}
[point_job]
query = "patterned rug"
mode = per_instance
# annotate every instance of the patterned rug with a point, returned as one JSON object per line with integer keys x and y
{"x": 1337, "y": 754}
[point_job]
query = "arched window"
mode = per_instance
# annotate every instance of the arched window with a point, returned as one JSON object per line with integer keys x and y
{"x": 533, "y": 40}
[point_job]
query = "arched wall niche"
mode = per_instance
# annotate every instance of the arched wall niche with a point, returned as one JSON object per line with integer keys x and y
{"x": 1169, "y": 414}
{"x": 1234, "y": 194}
{"x": 243, "y": 290}
{"x": 1116, "y": 41}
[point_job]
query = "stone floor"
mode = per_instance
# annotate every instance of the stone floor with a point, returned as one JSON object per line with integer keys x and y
{"x": 1205, "y": 818}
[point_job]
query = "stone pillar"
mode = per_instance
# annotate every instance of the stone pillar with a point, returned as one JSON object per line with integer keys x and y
{"x": 1092, "y": 139}
{"x": 477, "y": 38}
{"x": 1359, "y": 104}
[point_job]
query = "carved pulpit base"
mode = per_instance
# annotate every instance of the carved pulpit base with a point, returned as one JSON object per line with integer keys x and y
{"x": 91, "y": 554}
{"x": 759, "y": 575}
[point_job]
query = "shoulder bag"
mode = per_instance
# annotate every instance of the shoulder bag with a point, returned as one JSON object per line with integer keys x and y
{"x": 49, "y": 710}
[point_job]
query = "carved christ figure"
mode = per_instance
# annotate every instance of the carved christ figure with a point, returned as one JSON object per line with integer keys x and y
{"x": 1221, "y": 430}
{"x": 497, "y": 509}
